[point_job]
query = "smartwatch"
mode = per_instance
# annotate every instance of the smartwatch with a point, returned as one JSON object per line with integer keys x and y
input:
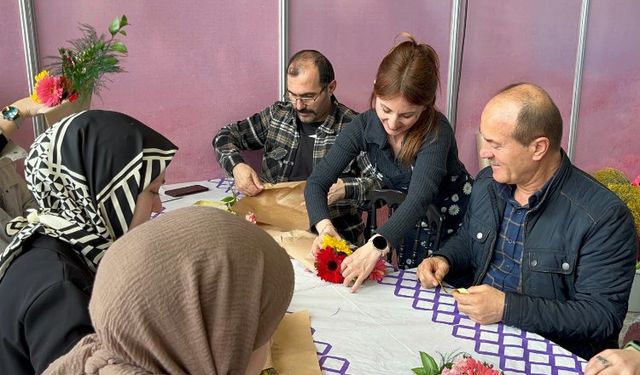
{"x": 10, "y": 113}
{"x": 380, "y": 243}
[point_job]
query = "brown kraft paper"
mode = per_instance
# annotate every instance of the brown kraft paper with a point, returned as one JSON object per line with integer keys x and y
{"x": 280, "y": 205}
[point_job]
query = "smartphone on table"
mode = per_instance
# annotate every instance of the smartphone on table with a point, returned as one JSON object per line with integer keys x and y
{"x": 186, "y": 190}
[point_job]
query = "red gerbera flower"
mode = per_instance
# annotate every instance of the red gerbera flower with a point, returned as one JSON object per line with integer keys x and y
{"x": 50, "y": 90}
{"x": 328, "y": 265}
{"x": 378, "y": 271}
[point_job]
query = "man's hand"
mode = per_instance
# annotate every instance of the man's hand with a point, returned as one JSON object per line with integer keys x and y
{"x": 247, "y": 180}
{"x": 431, "y": 271}
{"x": 484, "y": 304}
{"x": 323, "y": 227}
{"x": 336, "y": 192}
{"x": 614, "y": 362}
{"x": 358, "y": 266}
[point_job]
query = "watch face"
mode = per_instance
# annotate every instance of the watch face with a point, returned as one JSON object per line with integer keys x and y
{"x": 10, "y": 113}
{"x": 379, "y": 243}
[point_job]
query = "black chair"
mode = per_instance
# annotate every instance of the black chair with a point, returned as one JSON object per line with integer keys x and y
{"x": 392, "y": 199}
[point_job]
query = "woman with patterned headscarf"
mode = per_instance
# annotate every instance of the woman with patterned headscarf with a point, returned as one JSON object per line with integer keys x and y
{"x": 94, "y": 176}
{"x": 160, "y": 307}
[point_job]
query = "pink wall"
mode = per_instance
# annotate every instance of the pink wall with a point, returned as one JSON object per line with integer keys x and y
{"x": 192, "y": 66}
{"x": 195, "y": 66}
{"x": 12, "y": 67}
{"x": 609, "y": 121}
{"x": 513, "y": 41}
{"x": 355, "y": 36}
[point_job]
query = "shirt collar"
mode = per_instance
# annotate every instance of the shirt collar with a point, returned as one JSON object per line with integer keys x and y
{"x": 506, "y": 191}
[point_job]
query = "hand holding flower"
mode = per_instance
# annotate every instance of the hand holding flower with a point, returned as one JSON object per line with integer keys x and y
{"x": 324, "y": 227}
{"x": 359, "y": 265}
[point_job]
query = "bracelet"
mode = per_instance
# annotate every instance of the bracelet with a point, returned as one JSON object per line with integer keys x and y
{"x": 635, "y": 344}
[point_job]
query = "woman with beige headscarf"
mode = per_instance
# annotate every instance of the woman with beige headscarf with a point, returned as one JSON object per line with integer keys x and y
{"x": 196, "y": 291}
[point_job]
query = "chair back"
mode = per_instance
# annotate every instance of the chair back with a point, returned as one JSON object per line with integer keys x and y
{"x": 378, "y": 198}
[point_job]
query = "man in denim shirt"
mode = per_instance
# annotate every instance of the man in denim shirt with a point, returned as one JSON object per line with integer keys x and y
{"x": 295, "y": 134}
{"x": 551, "y": 250}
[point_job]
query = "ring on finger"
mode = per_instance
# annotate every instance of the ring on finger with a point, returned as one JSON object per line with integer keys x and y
{"x": 603, "y": 361}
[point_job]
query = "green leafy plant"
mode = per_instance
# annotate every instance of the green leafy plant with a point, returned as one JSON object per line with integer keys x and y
{"x": 230, "y": 200}
{"x": 90, "y": 57}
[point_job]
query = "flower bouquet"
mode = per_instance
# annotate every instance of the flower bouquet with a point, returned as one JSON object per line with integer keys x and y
{"x": 330, "y": 256}
{"x": 79, "y": 70}
{"x": 454, "y": 364}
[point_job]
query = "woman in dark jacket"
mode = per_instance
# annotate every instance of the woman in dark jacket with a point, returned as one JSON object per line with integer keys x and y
{"x": 94, "y": 176}
{"x": 409, "y": 146}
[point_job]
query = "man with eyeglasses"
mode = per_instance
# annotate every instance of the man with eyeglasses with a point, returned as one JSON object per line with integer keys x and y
{"x": 295, "y": 134}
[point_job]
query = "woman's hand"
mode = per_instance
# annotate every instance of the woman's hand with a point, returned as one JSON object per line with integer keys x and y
{"x": 358, "y": 266}
{"x": 323, "y": 227}
{"x": 27, "y": 107}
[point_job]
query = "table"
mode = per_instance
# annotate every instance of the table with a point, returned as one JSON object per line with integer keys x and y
{"x": 381, "y": 328}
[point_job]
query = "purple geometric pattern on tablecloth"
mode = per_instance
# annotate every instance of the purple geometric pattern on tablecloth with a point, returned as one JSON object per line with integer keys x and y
{"x": 156, "y": 214}
{"x": 330, "y": 363}
{"x": 517, "y": 350}
{"x": 225, "y": 184}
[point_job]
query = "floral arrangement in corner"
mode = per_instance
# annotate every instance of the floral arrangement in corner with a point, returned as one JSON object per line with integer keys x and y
{"x": 79, "y": 70}
{"x": 627, "y": 191}
{"x": 454, "y": 364}
{"x": 330, "y": 256}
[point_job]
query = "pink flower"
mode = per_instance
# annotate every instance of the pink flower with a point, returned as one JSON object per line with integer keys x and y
{"x": 472, "y": 366}
{"x": 50, "y": 90}
{"x": 251, "y": 217}
{"x": 636, "y": 182}
{"x": 378, "y": 271}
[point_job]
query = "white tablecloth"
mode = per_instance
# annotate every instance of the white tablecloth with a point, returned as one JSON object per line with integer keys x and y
{"x": 381, "y": 328}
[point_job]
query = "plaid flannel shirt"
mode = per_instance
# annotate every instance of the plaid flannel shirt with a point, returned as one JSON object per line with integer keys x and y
{"x": 505, "y": 270}
{"x": 275, "y": 131}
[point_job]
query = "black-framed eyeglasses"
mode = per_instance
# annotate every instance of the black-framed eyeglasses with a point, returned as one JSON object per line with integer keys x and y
{"x": 305, "y": 100}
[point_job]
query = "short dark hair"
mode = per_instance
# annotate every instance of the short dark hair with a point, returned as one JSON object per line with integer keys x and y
{"x": 325, "y": 69}
{"x": 539, "y": 116}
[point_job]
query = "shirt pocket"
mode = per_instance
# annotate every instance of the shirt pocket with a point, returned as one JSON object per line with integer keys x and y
{"x": 276, "y": 153}
{"x": 481, "y": 236}
{"x": 550, "y": 273}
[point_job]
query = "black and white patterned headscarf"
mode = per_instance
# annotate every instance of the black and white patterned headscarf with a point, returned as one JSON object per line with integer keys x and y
{"x": 86, "y": 173}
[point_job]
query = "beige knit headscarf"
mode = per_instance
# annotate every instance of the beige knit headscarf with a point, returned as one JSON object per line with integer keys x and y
{"x": 192, "y": 292}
